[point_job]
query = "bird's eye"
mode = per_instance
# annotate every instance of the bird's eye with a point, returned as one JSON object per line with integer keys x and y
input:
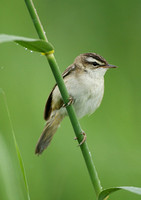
{"x": 95, "y": 63}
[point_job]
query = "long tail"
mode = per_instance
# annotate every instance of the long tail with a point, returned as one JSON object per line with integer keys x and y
{"x": 48, "y": 132}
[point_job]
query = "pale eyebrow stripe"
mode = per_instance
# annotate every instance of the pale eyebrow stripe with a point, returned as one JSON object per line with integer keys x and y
{"x": 90, "y": 59}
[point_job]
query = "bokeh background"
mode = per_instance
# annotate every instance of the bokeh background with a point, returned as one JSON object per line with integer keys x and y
{"x": 110, "y": 28}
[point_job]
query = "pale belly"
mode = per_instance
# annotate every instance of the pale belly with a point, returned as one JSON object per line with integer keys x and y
{"x": 88, "y": 101}
{"x": 87, "y": 95}
{"x": 87, "y": 105}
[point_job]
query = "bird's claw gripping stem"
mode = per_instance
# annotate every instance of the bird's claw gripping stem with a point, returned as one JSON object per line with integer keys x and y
{"x": 84, "y": 138}
{"x": 71, "y": 101}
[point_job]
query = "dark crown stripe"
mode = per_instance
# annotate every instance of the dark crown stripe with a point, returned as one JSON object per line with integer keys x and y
{"x": 95, "y": 56}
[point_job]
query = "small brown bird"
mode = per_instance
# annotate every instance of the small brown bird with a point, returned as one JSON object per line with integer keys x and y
{"x": 84, "y": 80}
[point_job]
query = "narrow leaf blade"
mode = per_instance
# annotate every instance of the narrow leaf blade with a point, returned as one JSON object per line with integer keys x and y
{"x": 16, "y": 145}
{"x": 29, "y": 43}
{"x": 108, "y": 191}
{"x": 10, "y": 188}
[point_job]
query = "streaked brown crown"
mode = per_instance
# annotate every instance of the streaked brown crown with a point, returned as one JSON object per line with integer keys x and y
{"x": 96, "y": 57}
{"x": 89, "y": 60}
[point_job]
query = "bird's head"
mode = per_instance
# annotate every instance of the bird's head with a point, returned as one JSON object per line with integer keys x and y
{"x": 93, "y": 62}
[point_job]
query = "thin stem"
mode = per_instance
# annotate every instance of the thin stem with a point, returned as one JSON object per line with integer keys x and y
{"x": 36, "y": 20}
{"x": 58, "y": 77}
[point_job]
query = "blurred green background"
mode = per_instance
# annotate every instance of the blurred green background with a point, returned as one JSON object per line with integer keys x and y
{"x": 110, "y": 28}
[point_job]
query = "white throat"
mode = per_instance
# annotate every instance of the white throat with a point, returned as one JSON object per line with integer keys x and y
{"x": 98, "y": 72}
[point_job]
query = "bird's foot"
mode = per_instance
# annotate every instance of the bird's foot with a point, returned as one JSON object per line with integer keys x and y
{"x": 71, "y": 101}
{"x": 84, "y": 138}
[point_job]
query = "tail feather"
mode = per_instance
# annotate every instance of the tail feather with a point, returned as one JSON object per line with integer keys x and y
{"x": 48, "y": 132}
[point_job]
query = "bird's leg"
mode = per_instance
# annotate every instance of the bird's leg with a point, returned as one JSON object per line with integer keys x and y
{"x": 71, "y": 101}
{"x": 84, "y": 138}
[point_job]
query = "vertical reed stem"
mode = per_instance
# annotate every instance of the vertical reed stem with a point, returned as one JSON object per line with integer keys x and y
{"x": 58, "y": 77}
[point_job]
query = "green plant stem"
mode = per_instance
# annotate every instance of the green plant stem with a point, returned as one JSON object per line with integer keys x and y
{"x": 58, "y": 77}
{"x": 36, "y": 20}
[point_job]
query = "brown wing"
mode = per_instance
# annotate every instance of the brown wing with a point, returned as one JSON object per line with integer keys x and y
{"x": 48, "y": 107}
{"x": 68, "y": 70}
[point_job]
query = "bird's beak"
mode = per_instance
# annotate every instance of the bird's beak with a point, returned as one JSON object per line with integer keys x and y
{"x": 109, "y": 66}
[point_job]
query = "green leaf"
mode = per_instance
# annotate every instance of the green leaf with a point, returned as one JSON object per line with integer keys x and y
{"x": 10, "y": 188}
{"x": 29, "y": 43}
{"x": 16, "y": 145}
{"x": 108, "y": 191}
